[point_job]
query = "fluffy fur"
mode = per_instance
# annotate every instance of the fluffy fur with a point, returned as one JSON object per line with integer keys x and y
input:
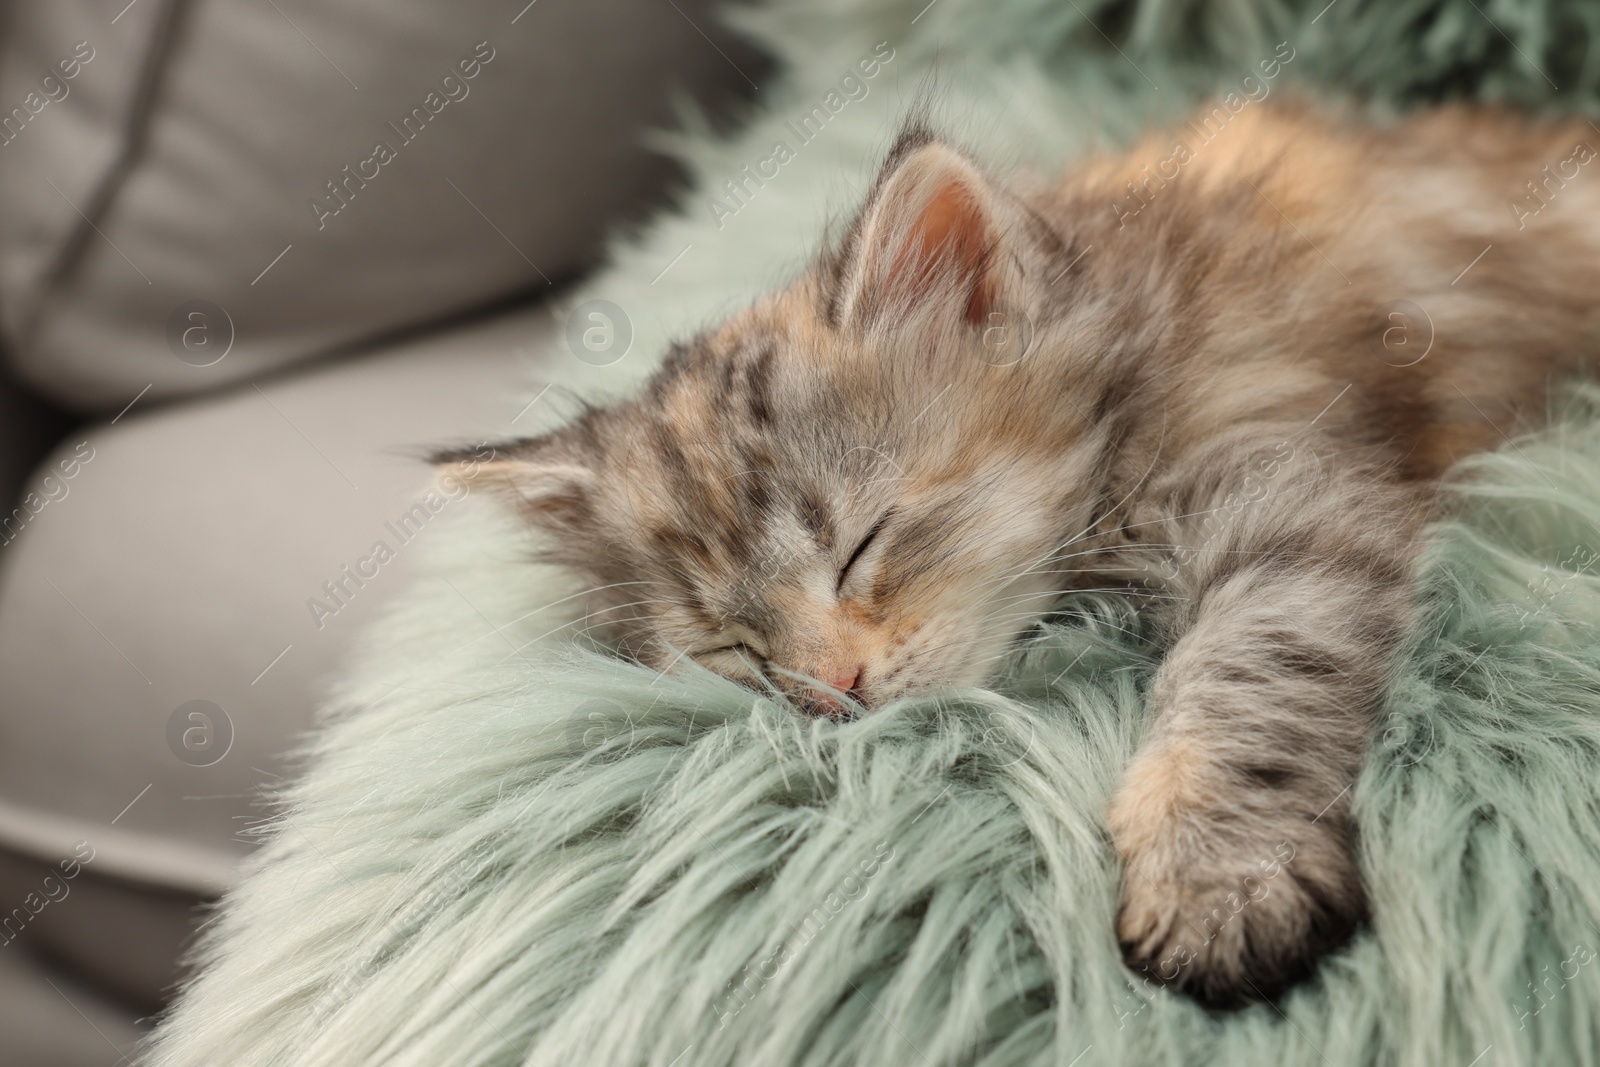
{"x": 387, "y": 925}
{"x": 1171, "y": 382}
{"x": 501, "y": 860}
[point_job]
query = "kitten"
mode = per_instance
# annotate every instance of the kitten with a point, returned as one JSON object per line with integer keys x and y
{"x": 870, "y": 483}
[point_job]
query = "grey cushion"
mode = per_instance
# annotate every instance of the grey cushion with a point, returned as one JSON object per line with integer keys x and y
{"x": 49, "y": 1019}
{"x": 180, "y": 562}
{"x": 176, "y": 174}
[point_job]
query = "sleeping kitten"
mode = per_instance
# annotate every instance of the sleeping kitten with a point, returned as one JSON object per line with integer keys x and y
{"x": 1226, "y": 373}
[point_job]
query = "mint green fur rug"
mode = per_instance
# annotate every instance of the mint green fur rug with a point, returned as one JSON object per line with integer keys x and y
{"x": 510, "y": 850}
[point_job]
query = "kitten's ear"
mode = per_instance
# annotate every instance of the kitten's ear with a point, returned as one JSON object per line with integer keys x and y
{"x": 550, "y": 480}
{"x": 934, "y": 229}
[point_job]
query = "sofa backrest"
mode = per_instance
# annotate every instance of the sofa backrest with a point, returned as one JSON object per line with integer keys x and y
{"x": 199, "y": 192}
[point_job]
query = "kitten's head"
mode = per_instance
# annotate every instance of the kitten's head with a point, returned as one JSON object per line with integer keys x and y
{"x": 855, "y": 487}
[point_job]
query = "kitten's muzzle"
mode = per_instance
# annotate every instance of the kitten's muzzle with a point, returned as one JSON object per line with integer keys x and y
{"x": 832, "y": 700}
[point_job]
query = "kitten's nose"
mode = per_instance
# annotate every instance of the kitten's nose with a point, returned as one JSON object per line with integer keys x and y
{"x": 841, "y": 682}
{"x": 846, "y": 681}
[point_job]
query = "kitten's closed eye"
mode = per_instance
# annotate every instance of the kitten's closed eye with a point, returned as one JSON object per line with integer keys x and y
{"x": 737, "y": 649}
{"x": 861, "y": 549}
{"x": 740, "y": 662}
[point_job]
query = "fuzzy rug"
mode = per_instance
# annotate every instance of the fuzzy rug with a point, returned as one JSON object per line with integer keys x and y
{"x": 511, "y": 850}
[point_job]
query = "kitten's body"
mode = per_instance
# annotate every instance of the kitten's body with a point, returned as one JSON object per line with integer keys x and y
{"x": 870, "y": 483}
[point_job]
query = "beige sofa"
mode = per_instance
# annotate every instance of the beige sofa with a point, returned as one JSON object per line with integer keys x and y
{"x": 254, "y": 260}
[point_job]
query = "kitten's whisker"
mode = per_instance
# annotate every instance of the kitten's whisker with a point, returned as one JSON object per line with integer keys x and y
{"x": 1112, "y": 510}
{"x": 574, "y": 596}
{"x": 545, "y": 607}
{"x": 614, "y": 607}
{"x": 1208, "y": 511}
{"x": 1140, "y": 593}
{"x": 974, "y": 639}
{"x": 562, "y": 626}
{"x": 1006, "y": 650}
{"x": 1075, "y": 555}
{"x": 585, "y": 618}
{"x": 1153, "y": 545}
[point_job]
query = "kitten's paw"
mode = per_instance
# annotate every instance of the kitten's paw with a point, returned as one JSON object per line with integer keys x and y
{"x": 1232, "y": 905}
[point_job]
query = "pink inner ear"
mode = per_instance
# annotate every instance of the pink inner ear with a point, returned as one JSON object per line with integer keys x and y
{"x": 949, "y": 234}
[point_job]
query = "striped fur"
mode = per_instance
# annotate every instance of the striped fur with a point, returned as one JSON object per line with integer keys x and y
{"x": 870, "y": 483}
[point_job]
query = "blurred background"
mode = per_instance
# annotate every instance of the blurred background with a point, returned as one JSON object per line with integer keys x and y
{"x": 256, "y": 256}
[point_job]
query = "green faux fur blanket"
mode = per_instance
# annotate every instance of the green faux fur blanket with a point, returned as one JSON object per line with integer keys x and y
{"x": 510, "y": 850}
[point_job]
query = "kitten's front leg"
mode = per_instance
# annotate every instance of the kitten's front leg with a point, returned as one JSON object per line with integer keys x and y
{"x": 1232, "y": 820}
